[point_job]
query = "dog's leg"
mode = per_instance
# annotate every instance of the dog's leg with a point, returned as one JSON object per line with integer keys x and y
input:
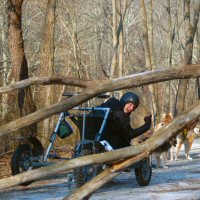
{"x": 164, "y": 159}
{"x": 178, "y": 149}
{"x": 190, "y": 142}
{"x": 171, "y": 152}
{"x": 158, "y": 159}
{"x": 187, "y": 146}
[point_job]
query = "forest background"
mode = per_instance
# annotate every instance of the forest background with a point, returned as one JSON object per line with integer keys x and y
{"x": 94, "y": 39}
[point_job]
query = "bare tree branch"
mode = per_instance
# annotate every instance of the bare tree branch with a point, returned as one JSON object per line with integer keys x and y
{"x": 60, "y": 80}
{"x": 107, "y": 175}
{"x": 179, "y": 72}
{"x": 95, "y": 88}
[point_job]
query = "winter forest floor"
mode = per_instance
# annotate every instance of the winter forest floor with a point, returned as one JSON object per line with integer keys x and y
{"x": 180, "y": 181}
{"x": 5, "y": 166}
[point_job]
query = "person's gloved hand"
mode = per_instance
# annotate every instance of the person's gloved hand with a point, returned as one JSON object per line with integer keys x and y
{"x": 147, "y": 119}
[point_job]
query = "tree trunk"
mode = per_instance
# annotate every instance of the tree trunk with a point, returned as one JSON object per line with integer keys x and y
{"x": 148, "y": 61}
{"x": 170, "y": 53}
{"x": 190, "y": 33}
{"x": 19, "y": 62}
{"x": 123, "y": 10}
{"x": 6, "y": 68}
{"x": 151, "y": 35}
{"x": 171, "y": 32}
{"x": 115, "y": 40}
{"x": 160, "y": 101}
{"x": 45, "y": 96}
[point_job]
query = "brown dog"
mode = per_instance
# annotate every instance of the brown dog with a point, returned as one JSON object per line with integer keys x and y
{"x": 186, "y": 137}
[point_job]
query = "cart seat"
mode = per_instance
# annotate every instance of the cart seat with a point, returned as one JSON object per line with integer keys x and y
{"x": 93, "y": 124}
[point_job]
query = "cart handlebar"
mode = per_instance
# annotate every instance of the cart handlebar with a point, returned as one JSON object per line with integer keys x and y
{"x": 101, "y": 96}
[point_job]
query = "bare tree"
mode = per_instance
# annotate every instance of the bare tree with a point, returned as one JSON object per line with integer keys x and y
{"x": 45, "y": 94}
{"x": 115, "y": 39}
{"x": 190, "y": 33}
{"x": 148, "y": 56}
{"x": 171, "y": 41}
{"x": 18, "y": 60}
{"x": 5, "y": 67}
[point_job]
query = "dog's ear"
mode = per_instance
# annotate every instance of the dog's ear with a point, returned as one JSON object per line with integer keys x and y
{"x": 168, "y": 117}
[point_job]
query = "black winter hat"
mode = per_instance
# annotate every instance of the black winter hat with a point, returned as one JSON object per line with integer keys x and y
{"x": 130, "y": 97}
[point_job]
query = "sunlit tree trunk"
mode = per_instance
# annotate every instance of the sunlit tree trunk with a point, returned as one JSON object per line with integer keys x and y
{"x": 150, "y": 33}
{"x": 45, "y": 96}
{"x": 115, "y": 39}
{"x": 148, "y": 57}
{"x": 4, "y": 69}
{"x": 171, "y": 32}
{"x": 119, "y": 10}
{"x": 5, "y": 66}
{"x": 170, "y": 51}
{"x": 76, "y": 51}
{"x": 121, "y": 54}
{"x": 122, "y": 9}
{"x": 121, "y": 37}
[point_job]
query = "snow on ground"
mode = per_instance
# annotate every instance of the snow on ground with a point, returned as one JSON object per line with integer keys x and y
{"x": 180, "y": 181}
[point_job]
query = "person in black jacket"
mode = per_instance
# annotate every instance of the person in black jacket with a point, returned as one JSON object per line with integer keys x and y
{"x": 119, "y": 131}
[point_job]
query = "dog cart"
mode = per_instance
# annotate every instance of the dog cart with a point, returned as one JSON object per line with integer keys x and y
{"x": 92, "y": 122}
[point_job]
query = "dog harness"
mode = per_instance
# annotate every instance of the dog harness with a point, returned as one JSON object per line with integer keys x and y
{"x": 184, "y": 133}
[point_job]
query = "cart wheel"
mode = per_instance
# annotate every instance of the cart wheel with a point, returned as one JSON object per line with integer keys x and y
{"x": 143, "y": 172}
{"x": 86, "y": 173}
{"x": 37, "y": 146}
{"x": 20, "y": 161}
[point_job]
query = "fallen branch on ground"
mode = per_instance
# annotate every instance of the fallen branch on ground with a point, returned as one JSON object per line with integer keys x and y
{"x": 104, "y": 177}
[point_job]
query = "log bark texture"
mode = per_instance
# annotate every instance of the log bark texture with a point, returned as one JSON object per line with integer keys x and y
{"x": 19, "y": 63}
{"x": 108, "y": 174}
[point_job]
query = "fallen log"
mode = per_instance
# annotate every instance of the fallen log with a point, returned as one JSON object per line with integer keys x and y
{"x": 150, "y": 145}
{"x": 187, "y": 118}
{"x": 95, "y": 88}
{"x": 108, "y": 174}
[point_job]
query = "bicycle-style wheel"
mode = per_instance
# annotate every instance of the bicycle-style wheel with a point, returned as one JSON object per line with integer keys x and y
{"x": 20, "y": 161}
{"x": 143, "y": 172}
{"x": 86, "y": 173}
